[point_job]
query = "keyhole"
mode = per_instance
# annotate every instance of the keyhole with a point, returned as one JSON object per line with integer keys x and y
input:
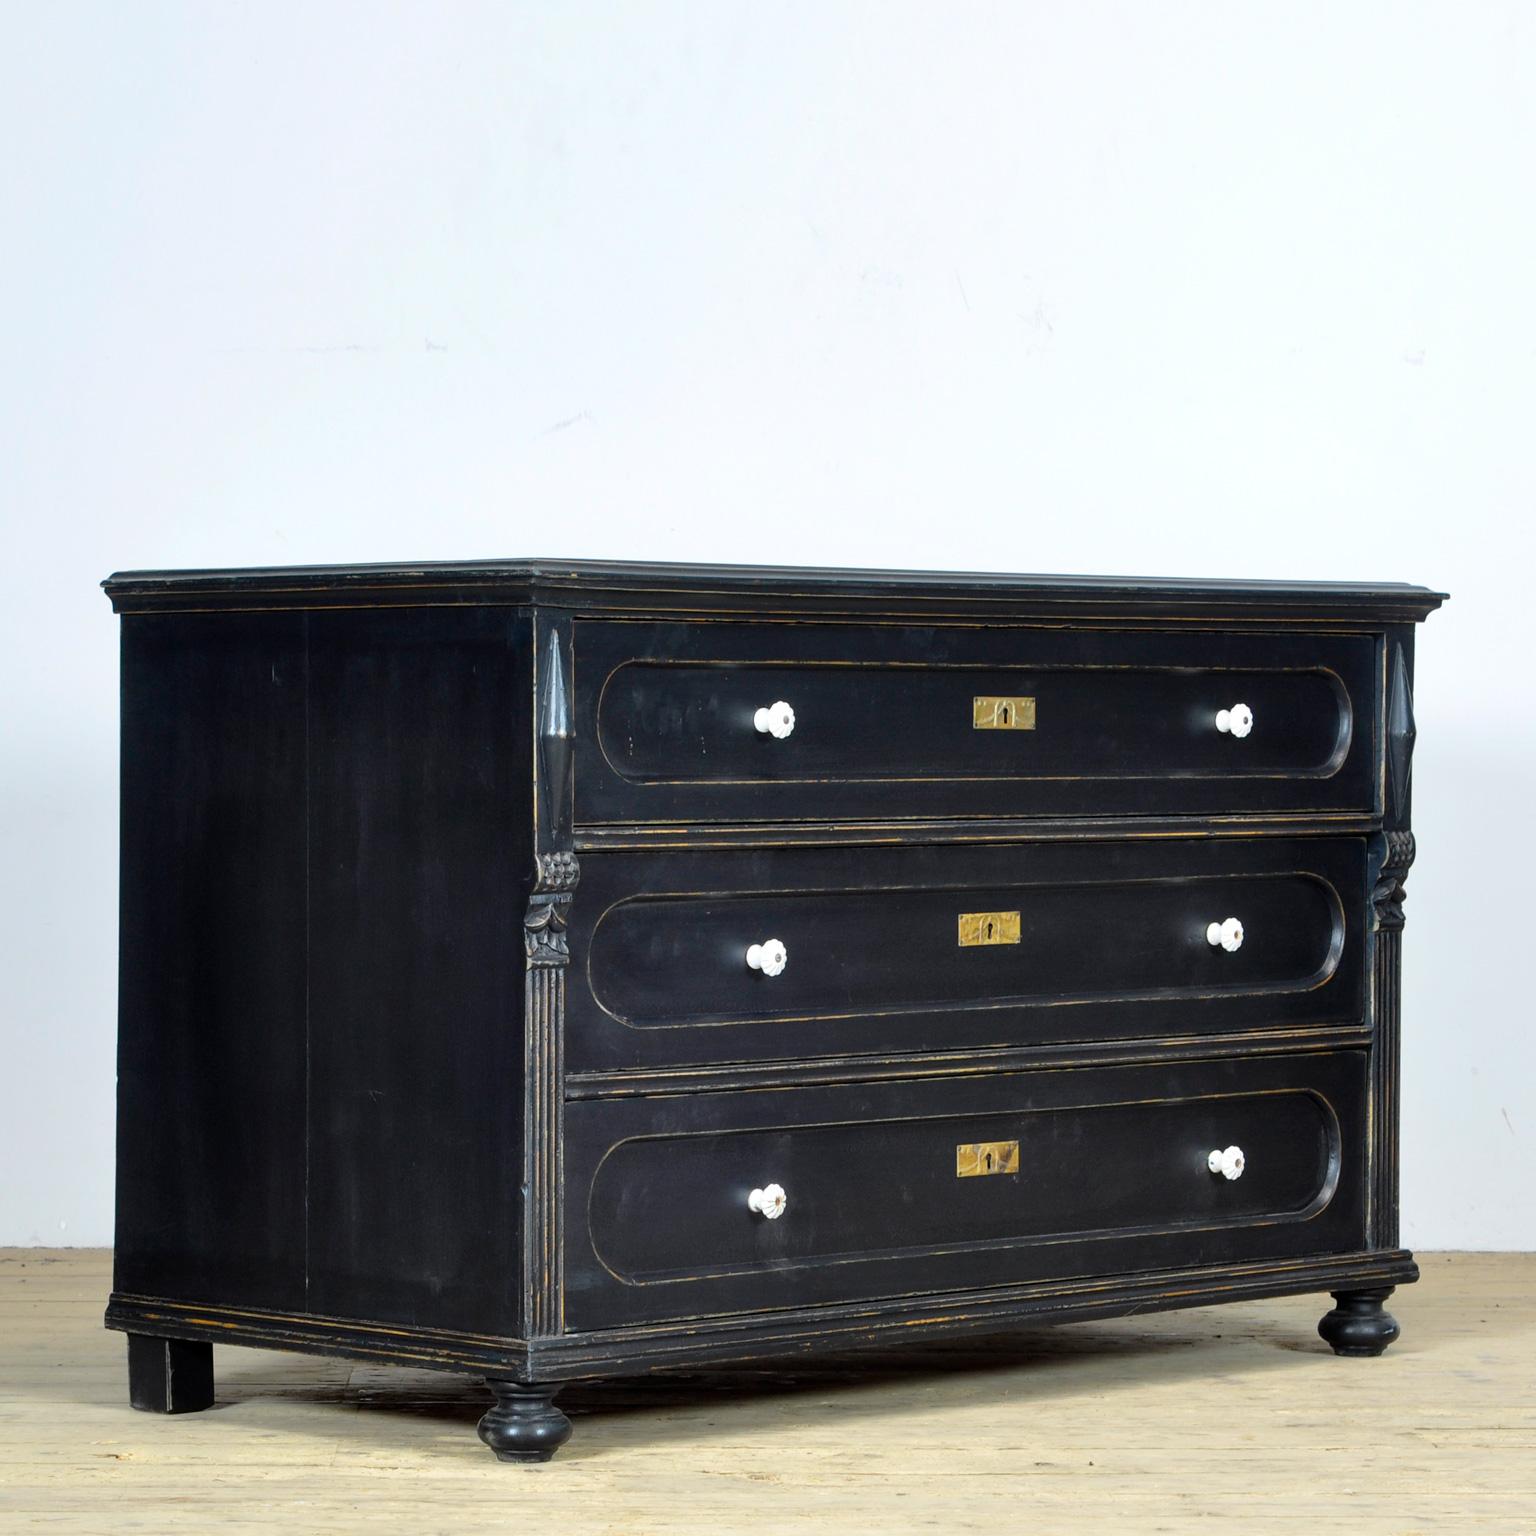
{"x": 989, "y": 930}
{"x": 989, "y": 1162}
{"x": 1005, "y": 714}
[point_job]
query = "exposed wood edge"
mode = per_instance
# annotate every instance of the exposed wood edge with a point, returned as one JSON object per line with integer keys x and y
{"x": 648, "y": 837}
{"x": 1347, "y": 618}
{"x": 760, "y": 1334}
{"x": 648, "y": 1081}
{"x": 388, "y": 1343}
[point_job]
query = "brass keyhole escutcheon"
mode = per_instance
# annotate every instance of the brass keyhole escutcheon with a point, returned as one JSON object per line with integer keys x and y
{"x": 988, "y": 928}
{"x": 976, "y": 1159}
{"x": 1003, "y": 712}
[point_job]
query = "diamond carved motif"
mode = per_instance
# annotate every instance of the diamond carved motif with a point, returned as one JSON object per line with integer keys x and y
{"x": 1400, "y": 732}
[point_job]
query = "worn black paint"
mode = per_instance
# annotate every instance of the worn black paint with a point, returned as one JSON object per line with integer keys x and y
{"x": 524, "y": 1424}
{"x": 884, "y": 721}
{"x": 300, "y": 793}
{"x": 211, "y": 996}
{"x": 418, "y": 847}
{"x": 434, "y": 883}
{"x": 1112, "y": 1177}
{"x": 875, "y": 966}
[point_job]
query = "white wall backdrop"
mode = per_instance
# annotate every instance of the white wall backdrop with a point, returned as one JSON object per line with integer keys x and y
{"x": 1184, "y": 289}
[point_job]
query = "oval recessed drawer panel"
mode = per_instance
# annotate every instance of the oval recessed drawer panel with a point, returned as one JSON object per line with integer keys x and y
{"x": 732, "y": 1201}
{"x": 715, "y": 957}
{"x": 728, "y": 722}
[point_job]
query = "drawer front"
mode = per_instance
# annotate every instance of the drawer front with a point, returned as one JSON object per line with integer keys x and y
{"x": 887, "y": 1189}
{"x": 903, "y": 721}
{"x": 931, "y": 949}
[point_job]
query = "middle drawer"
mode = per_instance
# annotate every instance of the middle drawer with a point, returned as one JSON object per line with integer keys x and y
{"x": 705, "y": 958}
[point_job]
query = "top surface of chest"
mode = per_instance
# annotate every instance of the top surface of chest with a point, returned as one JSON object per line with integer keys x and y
{"x": 656, "y": 587}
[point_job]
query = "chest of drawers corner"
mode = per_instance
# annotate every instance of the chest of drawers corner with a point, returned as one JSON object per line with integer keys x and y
{"x": 555, "y": 970}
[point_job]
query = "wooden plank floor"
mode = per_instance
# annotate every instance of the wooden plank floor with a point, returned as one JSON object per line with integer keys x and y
{"x": 1235, "y": 1418}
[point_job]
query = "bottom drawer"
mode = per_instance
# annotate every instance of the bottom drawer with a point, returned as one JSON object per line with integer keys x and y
{"x": 953, "y": 1183}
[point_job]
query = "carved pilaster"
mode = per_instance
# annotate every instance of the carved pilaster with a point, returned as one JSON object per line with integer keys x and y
{"x": 1391, "y": 881}
{"x": 548, "y": 905}
{"x": 1396, "y": 851}
{"x": 556, "y": 873}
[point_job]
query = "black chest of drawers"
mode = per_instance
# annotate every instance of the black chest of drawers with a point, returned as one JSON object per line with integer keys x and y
{"x": 556, "y": 970}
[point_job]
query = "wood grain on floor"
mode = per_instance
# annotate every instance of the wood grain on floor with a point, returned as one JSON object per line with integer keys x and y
{"x": 1235, "y": 1418}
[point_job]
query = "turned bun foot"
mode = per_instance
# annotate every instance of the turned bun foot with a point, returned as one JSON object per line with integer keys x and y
{"x": 524, "y": 1425}
{"x": 1359, "y": 1324}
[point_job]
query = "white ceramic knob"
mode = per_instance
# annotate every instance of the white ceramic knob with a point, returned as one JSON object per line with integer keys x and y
{"x": 776, "y": 720}
{"x": 770, "y": 957}
{"x": 1228, "y": 934}
{"x": 1229, "y": 1163}
{"x": 1237, "y": 721}
{"x": 770, "y": 1200}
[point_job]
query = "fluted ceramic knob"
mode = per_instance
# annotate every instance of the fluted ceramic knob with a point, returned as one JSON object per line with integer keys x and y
{"x": 1229, "y": 1162}
{"x": 769, "y": 1201}
{"x": 770, "y": 957}
{"x": 1237, "y": 721}
{"x": 776, "y": 720}
{"x": 1228, "y": 934}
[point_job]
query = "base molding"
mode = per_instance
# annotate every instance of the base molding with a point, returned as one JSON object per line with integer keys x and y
{"x": 758, "y": 1335}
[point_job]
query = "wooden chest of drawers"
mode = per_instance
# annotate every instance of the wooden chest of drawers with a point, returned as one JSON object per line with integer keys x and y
{"x": 552, "y": 971}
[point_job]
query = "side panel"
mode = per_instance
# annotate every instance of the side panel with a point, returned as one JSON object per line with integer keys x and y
{"x": 420, "y": 857}
{"x": 211, "y": 1028}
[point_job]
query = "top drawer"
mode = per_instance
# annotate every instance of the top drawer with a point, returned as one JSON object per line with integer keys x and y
{"x": 919, "y": 721}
